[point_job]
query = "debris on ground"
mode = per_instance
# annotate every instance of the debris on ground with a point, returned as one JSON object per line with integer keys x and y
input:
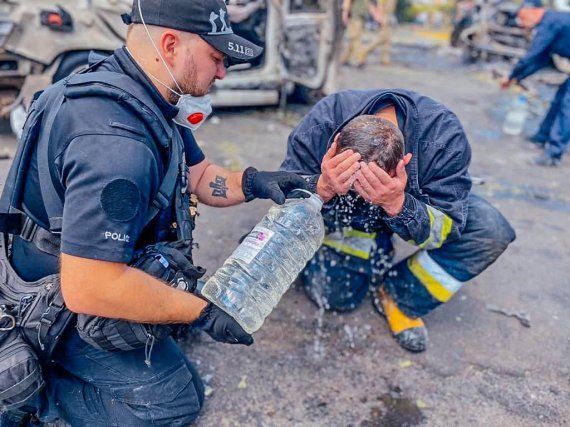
{"x": 522, "y": 316}
{"x": 243, "y": 383}
{"x": 208, "y": 391}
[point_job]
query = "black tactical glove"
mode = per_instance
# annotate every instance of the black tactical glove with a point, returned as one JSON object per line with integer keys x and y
{"x": 221, "y": 326}
{"x": 271, "y": 185}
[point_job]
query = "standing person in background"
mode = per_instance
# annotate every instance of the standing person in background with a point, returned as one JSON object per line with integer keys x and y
{"x": 382, "y": 13}
{"x": 552, "y": 37}
{"x": 354, "y": 14}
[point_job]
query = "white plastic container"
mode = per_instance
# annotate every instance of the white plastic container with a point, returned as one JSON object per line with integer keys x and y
{"x": 516, "y": 117}
{"x": 257, "y": 274}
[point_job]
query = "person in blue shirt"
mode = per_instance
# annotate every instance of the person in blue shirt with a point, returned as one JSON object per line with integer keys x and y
{"x": 107, "y": 160}
{"x": 552, "y": 37}
{"x": 393, "y": 162}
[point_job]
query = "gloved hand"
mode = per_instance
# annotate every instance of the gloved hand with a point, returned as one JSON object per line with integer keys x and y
{"x": 271, "y": 185}
{"x": 221, "y": 326}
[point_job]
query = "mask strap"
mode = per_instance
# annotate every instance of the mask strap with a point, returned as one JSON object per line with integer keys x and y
{"x": 158, "y": 52}
{"x": 154, "y": 77}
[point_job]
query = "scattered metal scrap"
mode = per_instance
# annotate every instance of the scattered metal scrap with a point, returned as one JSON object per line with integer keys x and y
{"x": 522, "y": 316}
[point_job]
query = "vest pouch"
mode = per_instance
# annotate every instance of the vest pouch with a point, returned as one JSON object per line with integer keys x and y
{"x": 170, "y": 262}
{"x": 46, "y": 318}
{"x": 118, "y": 335}
{"x": 38, "y": 307}
{"x": 20, "y": 371}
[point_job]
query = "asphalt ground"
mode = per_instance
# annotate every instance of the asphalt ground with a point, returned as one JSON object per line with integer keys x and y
{"x": 309, "y": 368}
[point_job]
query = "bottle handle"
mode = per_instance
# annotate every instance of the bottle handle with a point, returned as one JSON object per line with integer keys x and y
{"x": 302, "y": 190}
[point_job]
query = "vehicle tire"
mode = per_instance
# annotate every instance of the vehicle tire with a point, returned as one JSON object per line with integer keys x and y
{"x": 71, "y": 63}
{"x": 470, "y": 55}
{"x": 306, "y": 95}
{"x": 454, "y": 40}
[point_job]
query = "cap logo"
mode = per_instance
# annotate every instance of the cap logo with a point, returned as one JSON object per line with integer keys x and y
{"x": 223, "y": 19}
{"x": 238, "y": 48}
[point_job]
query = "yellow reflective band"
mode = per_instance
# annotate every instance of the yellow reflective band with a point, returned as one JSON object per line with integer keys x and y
{"x": 440, "y": 226}
{"x": 352, "y": 242}
{"x": 439, "y": 283}
{"x": 446, "y": 229}
{"x": 351, "y": 232}
{"x": 346, "y": 248}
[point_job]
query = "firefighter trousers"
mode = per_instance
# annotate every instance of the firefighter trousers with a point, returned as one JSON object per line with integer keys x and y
{"x": 338, "y": 279}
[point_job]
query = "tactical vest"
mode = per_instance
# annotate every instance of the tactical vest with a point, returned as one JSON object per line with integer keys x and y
{"x": 33, "y": 315}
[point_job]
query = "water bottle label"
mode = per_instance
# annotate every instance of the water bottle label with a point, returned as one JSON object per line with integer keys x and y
{"x": 253, "y": 244}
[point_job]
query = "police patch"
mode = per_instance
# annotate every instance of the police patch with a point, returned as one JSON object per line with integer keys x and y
{"x": 120, "y": 199}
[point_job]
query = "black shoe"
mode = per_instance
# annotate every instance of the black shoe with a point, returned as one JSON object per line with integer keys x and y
{"x": 537, "y": 139}
{"x": 537, "y": 142}
{"x": 545, "y": 160}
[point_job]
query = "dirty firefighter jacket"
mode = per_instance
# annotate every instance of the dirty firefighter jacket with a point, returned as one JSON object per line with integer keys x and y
{"x": 552, "y": 37}
{"x": 435, "y": 206}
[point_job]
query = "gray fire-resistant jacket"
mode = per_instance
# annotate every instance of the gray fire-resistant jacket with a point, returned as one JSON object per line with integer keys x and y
{"x": 435, "y": 207}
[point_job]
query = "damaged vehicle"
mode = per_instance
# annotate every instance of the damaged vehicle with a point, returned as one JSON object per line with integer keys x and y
{"x": 488, "y": 29}
{"x": 41, "y": 42}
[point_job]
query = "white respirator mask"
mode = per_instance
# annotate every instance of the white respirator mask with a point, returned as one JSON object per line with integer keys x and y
{"x": 192, "y": 110}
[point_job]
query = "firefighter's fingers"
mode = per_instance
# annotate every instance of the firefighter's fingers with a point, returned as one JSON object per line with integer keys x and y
{"x": 361, "y": 190}
{"x": 331, "y": 152}
{"x": 370, "y": 171}
{"x": 347, "y": 174}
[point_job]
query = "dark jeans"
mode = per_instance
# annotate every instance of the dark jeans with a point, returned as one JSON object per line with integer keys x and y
{"x": 338, "y": 281}
{"x": 555, "y": 128}
{"x": 90, "y": 387}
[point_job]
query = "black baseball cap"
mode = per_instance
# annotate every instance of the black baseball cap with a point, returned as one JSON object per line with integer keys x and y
{"x": 207, "y": 18}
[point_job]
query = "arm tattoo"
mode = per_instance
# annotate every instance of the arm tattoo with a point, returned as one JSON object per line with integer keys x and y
{"x": 220, "y": 189}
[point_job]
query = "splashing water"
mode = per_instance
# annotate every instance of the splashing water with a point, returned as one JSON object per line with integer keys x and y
{"x": 350, "y": 335}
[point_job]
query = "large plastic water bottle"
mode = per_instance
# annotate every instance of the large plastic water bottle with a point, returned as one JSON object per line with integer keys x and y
{"x": 254, "y": 278}
{"x": 516, "y": 117}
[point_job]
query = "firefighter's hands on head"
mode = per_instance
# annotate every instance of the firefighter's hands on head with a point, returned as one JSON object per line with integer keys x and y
{"x": 381, "y": 188}
{"x": 337, "y": 172}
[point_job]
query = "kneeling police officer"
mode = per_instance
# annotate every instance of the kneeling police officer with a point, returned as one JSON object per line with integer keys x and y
{"x": 107, "y": 150}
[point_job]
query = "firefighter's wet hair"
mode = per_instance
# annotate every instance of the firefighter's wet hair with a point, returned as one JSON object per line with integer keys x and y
{"x": 376, "y": 139}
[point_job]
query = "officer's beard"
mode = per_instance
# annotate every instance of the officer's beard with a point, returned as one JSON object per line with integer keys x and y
{"x": 188, "y": 82}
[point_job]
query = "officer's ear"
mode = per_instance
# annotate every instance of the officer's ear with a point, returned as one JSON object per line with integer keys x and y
{"x": 407, "y": 159}
{"x": 170, "y": 44}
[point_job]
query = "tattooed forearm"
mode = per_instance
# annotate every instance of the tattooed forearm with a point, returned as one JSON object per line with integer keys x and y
{"x": 220, "y": 189}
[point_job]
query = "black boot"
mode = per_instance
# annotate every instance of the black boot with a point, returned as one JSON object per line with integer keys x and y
{"x": 545, "y": 160}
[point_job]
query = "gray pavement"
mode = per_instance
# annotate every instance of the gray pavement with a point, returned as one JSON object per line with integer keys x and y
{"x": 481, "y": 368}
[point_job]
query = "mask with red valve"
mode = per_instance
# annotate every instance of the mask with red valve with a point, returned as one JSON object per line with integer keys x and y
{"x": 192, "y": 110}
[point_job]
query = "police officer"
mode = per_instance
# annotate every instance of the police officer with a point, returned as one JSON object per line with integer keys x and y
{"x": 552, "y": 36}
{"x": 107, "y": 169}
{"x": 393, "y": 162}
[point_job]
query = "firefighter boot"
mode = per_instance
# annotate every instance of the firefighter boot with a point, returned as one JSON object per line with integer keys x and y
{"x": 410, "y": 333}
